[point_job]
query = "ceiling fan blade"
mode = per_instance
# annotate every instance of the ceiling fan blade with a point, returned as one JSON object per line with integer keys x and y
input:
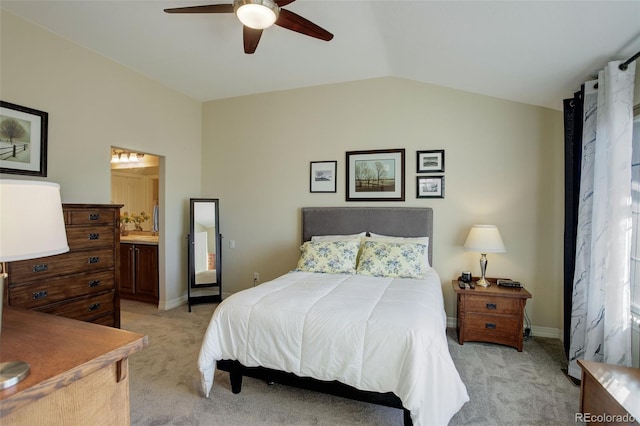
{"x": 212, "y": 8}
{"x": 283, "y": 3}
{"x": 297, "y": 23}
{"x": 251, "y": 39}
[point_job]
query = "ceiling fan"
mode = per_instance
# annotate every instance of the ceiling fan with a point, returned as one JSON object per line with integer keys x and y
{"x": 257, "y": 15}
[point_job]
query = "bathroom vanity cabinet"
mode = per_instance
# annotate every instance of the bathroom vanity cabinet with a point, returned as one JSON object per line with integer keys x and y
{"x": 139, "y": 271}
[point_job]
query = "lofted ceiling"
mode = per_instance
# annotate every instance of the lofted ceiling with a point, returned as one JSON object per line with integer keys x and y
{"x": 533, "y": 52}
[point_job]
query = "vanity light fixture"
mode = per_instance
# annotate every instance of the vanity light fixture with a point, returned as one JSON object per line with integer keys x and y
{"x": 256, "y": 14}
{"x": 115, "y": 158}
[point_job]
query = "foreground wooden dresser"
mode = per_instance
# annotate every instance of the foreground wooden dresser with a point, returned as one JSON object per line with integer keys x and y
{"x": 609, "y": 394}
{"x": 79, "y": 371}
{"x": 82, "y": 283}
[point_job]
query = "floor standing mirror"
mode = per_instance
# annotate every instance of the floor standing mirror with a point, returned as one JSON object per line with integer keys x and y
{"x": 205, "y": 274}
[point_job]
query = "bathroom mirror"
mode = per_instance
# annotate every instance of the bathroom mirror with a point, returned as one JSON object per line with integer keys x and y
{"x": 205, "y": 277}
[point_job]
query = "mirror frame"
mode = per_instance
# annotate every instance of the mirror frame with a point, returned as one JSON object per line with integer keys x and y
{"x": 208, "y": 298}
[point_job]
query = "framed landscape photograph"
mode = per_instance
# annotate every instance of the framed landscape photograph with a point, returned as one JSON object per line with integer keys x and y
{"x": 23, "y": 140}
{"x": 323, "y": 176}
{"x": 375, "y": 175}
{"x": 430, "y": 161}
{"x": 430, "y": 186}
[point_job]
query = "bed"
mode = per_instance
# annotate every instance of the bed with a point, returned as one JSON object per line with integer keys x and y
{"x": 378, "y": 339}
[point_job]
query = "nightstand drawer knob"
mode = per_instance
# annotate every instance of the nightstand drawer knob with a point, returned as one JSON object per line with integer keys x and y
{"x": 93, "y": 259}
{"x": 94, "y": 236}
{"x": 490, "y": 325}
{"x": 491, "y": 306}
{"x": 94, "y": 306}
{"x": 94, "y": 283}
{"x": 94, "y": 216}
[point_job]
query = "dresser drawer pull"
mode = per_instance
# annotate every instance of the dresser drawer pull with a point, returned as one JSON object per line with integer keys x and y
{"x": 40, "y": 294}
{"x": 491, "y": 306}
{"x": 94, "y": 236}
{"x": 490, "y": 325}
{"x": 40, "y": 268}
{"x": 94, "y": 306}
{"x": 94, "y": 216}
{"x": 93, "y": 259}
{"x": 94, "y": 283}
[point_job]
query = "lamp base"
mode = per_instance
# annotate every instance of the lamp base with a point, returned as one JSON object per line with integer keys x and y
{"x": 483, "y": 283}
{"x": 12, "y": 373}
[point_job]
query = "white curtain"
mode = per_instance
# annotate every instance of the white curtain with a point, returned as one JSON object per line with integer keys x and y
{"x": 601, "y": 315}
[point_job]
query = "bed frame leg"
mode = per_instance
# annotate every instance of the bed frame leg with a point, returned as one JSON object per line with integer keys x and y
{"x": 235, "y": 377}
{"x": 407, "y": 417}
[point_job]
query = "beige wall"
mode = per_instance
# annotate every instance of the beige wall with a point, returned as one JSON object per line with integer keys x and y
{"x": 93, "y": 104}
{"x": 503, "y": 165}
{"x": 504, "y": 160}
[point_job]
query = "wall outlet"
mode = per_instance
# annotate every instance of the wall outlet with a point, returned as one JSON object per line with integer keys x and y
{"x": 232, "y": 244}
{"x": 256, "y": 276}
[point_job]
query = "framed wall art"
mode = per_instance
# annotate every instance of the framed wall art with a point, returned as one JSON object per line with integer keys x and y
{"x": 430, "y": 161}
{"x": 323, "y": 176}
{"x": 23, "y": 140}
{"x": 430, "y": 187}
{"x": 375, "y": 175}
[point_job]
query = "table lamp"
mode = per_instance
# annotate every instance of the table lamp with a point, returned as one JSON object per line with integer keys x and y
{"x": 484, "y": 239}
{"x": 31, "y": 226}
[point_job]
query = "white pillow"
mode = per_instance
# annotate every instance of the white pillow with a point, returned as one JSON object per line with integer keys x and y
{"x": 406, "y": 240}
{"x": 382, "y": 258}
{"x": 330, "y": 257}
{"x": 337, "y": 237}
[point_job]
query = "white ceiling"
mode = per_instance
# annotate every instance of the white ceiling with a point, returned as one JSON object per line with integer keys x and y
{"x": 532, "y": 52}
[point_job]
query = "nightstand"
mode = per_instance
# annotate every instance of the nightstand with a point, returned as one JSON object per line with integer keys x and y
{"x": 491, "y": 314}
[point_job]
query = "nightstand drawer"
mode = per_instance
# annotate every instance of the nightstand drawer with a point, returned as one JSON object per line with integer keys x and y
{"x": 492, "y": 324}
{"x": 493, "y": 305}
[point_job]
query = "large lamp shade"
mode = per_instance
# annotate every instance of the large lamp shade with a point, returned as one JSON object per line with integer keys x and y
{"x": 31, "y": 226}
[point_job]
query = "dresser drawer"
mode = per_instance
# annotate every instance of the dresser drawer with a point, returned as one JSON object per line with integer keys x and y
{"x": 45, "y": 292}
{"x": 84, "y": 237}
{"x": 492, "y": 305}
{"x": 82, "y": 308}
{"x": 90, "y": 216}
{"x": 492, "y": 325}
{"x": 52, "y": 266}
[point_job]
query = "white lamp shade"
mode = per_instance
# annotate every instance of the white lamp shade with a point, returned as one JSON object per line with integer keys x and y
{"x": 484, "y": 239}
{"x": 31, "y": 220}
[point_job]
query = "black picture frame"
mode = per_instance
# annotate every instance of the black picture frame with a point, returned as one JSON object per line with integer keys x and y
{"x": 429, "y": 186}
{"x": 431, "y": 161}
{"x": 375, "y": 175}
{"x": 322, "y": 176}
{"x": 23, "y": 140}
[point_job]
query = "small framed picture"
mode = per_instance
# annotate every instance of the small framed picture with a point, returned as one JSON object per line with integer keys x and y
{"x": 430, "y": 187}
{"x": 23, "y": 140}
{"x": 323, "y": 176}
{"x": 430, "y": 161}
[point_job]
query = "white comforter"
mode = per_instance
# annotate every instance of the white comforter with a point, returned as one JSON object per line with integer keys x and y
{"x": 375, "y": 334}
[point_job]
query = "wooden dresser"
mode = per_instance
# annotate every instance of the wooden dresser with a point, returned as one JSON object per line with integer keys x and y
{"x": 491, "y": 314}
{"x": 79, "y": 371}
{"x": 609, "y": 394}
{"x": 82, "y": 283}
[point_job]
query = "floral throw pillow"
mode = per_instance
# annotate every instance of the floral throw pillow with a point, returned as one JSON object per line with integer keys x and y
{"x": 331, "y": 257}
{"x": 387, "y": 259}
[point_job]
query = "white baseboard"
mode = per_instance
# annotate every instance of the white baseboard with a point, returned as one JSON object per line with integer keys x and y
{"x": 553, "y": 333}
{"x": 182, "y": 300}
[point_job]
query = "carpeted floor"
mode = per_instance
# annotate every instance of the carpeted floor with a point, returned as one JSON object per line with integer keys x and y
{"x": 506, "y": 387}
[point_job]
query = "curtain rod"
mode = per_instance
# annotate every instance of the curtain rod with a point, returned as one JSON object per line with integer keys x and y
{"x": 625, "y": 64}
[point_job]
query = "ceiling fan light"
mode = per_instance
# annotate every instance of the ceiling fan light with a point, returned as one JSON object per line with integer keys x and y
{"x": 256, "y": 14}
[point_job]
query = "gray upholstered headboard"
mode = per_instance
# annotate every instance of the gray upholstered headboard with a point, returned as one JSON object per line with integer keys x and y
{"x": 393, "y": 221}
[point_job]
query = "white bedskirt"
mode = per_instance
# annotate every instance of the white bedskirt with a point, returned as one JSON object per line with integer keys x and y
{"x": 375, "y": 334}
